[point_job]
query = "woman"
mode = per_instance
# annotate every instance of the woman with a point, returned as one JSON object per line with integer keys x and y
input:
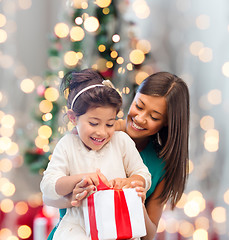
{"x": 158, "y": 122}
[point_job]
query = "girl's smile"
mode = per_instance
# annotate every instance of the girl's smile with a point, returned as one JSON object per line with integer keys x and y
{"x": 96, "y": 127}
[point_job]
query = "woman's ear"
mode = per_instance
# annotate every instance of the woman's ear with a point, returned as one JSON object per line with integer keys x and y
{"x": 71, "y": 116}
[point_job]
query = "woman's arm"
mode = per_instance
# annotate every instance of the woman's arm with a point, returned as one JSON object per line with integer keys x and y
{"x": 152, "y": 212}
{"x": 63, "y": 202}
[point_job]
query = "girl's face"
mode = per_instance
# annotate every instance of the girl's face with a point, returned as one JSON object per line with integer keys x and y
{"x": 96, "y": 127}
{"x": 146, "y": 116}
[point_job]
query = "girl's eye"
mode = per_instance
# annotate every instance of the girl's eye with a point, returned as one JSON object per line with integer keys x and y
{"x": 110, "y": 125}
{"x": 93, "y": 124}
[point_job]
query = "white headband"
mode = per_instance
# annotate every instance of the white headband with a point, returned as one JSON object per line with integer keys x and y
{"x": 83, "y": 90}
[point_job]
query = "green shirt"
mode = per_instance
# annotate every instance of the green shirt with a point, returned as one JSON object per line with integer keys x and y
{"x": 155, "y": 166}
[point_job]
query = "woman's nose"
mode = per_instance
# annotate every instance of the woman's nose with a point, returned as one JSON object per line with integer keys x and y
{"x": 140, "y": 118}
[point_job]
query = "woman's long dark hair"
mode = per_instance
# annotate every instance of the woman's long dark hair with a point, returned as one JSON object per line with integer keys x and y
{"x": 175, "y": 135}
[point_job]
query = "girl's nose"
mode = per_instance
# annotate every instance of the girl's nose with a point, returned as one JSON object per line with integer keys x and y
{"x": 101, "y": 131}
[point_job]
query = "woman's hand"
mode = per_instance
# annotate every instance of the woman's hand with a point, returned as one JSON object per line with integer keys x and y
{"x": 141, "y": 191}
{"x": 131, "y": 182}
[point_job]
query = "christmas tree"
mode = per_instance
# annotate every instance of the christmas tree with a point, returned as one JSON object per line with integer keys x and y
{"x": 92, "y": 35}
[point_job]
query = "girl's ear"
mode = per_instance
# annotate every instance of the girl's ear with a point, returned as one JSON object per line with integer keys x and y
{"x": 71, "y": 116}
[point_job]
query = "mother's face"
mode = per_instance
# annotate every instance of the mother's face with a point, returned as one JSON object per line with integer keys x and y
{"x": 146, "y": 116}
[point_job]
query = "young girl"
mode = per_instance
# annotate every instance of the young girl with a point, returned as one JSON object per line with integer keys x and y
{"x": 93, "y": 107}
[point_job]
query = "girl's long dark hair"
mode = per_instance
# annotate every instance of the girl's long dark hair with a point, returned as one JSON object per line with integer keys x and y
{"x": 175, "y": 135}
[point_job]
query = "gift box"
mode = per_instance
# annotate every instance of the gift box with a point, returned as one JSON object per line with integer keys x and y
{"x": 113, "y": 214}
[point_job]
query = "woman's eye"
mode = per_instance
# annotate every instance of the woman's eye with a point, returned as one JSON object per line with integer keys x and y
{"x": 138, "y": 107}
{"x": 93, "y": 124}
{"x": 155, "y": 119}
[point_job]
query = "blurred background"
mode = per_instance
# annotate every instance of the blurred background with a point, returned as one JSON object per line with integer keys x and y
{"x": 127, "y": 41}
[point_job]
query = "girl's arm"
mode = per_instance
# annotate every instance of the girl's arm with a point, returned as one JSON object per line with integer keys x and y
{"x": 81, "y": 190}
{"x": 152, "y": 212}
{"x": 66, "y": 184}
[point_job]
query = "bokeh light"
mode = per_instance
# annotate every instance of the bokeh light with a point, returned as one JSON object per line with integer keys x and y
{"x": 78, "y": 20}
{"x": 141, "y": 9}
{"x": 61, "y": 30}
{"x": 161, "y": 226}
{"x": 215, "y": 97}
{"x": 211, "y": 141}
{"x": 45, "y": 131}
{"x": 200, "y": 234}
{"x": 8, "y": 121}
{"x": 41, "y": 142}
{"x": 103, "y": 3}
{"x": 27, "y": 85}
{"x": 137, "y": 56}
{"x": 225, "y": 69}
{"x": 5, "y": 233}
{"x": 45, "y": 106}
{"x": 91, "y": 24}
{"x": 203, "y": 22}
{"x": 24, "y": 231}
{"x": 77, "y": 34}
{"x": 186, "y": 229}
{"x": 8, "y": 189}
{"x": 7, "y": 205}
{"x": 195, "y": 47}
{"x": 51, "y": 94}
{"x": 3, "y": 36}
{"x": 202, "y": 222}
{"x": 5, "y": 165}
{"x": 116, "y": 38}
{"x": 205, "y": 54}
{"x": 25, "y": 4}
{"x": 71, "y": 59}
{"x": 2, "y": 20}
{"x": 144, "y": 46}
{"x": 21, "y": 208}
{"x": 207, "y": 122}
{"x": 114, "y": 54}
{"x": 140, "y": 76}
{"x": 226, "y": 197}
{"x": 13, "y": 149}
{"x": 191, "y": 208}
{"x": 219, "y": 214}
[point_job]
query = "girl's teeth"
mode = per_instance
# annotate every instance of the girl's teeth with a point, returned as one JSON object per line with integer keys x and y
{"x": 136, "y": 126}
{"x": 97, "y": 140}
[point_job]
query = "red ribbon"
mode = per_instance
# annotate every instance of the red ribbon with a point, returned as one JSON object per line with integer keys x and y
{"x": 122, "y": 217}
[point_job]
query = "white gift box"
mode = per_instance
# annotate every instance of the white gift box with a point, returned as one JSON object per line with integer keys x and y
{"x": 114, "y": 214}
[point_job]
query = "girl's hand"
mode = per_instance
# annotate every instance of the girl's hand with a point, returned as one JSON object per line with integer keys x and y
{"x": 86, "y": 185}
{"x": 80, "y": 192}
